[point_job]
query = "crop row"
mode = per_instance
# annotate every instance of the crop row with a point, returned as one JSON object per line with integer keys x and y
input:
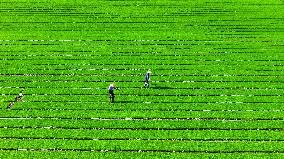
{"x": 169, "y": 70}
{"x": 158, "y": 98}
{"x": 16, "y": 52}
{"x": 142, "y": 145}
{"x": 15, "y": 73}
{"x": 127, "y": 82}
{"x": 146, "y": 92}
{"x": 137, "y": 85}
{"x": 91, "y": 52}
{"x": 210, "y": 41}
{"x": 140, "y": 35}
{"x": 137, "y": 77}
{"x": 143, "y": 18}
{"x": 124, "y": 66}
{"x": 220, "y": 53}
{"x": 132, "y": 39}
{"x": 148, "y": 5}
{"x": 143, "y": 115}
{"x": 218, "y": 68}
{"x": 206, "y": 135}
{"x": 125, "y": 37}
{"x": 161, "y": 98}
{"x": 146, "y": 106}
{"x": 140, "y": 40}
{"x": 129, "y": 26}
{"x": 139, "y": 65}
{"x": 190, "y": 86}
{"x": 138, "y": 139}
{"x": 100, "y": 86}
{"x": 114, "y": 48}
{"x": 123, "y": 24}
{"x": 164, "y": 59}
{"x": 144, "y": 124}
{"x": 15, "y": 153}
{"x": 160, "y": 65}
{"x": 178, "y": 12}
{"x": 130, "y": 64}
{"x": 159, "y": 87}
{"x": 142, "y": 65}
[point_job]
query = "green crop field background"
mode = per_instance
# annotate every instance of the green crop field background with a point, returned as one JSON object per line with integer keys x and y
{"x": 216, "y": 86}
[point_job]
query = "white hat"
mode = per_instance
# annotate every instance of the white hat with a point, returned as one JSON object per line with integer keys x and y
{"x": 149, "y": 71}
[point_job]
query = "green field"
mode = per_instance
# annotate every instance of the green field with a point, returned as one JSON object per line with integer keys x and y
{"x": 216, "y": 88}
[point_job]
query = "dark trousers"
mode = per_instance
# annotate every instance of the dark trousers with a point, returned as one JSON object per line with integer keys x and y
{"x": 111, "y": 96}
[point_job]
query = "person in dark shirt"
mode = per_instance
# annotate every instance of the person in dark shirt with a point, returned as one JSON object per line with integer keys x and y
{"x": 147, "y": 79}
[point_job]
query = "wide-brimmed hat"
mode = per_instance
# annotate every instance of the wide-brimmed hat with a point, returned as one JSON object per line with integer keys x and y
{"x": 149, "y": 71}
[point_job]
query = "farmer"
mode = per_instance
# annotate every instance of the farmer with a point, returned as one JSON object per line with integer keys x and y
{"x": 111, "y": 94}
{"x": 17, "y": 99}
{"x": 147, "y": 79}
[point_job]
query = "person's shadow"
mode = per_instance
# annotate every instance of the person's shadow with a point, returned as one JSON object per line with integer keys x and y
{"x": 124, "y": 101}
{"x": 160, "y": 87}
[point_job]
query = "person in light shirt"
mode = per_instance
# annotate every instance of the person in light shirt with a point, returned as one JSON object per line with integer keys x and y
{"x": 111, "y": 92}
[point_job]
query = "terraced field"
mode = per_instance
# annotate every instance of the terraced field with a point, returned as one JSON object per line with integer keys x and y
{"x": 216, "y": 85}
